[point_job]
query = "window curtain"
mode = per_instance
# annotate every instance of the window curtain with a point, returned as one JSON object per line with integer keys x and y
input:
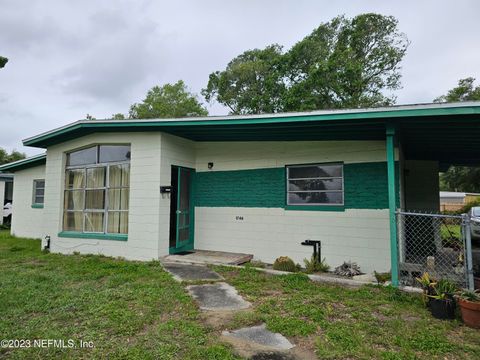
{"x": 78, "y": 182}
{"x": 118, "y": 195}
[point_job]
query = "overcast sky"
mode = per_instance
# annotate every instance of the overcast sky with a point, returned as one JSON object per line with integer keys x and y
{"x": 70, "y": 58}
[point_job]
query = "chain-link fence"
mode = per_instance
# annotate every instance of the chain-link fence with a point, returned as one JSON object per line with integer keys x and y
{"x": 437, "y": 244}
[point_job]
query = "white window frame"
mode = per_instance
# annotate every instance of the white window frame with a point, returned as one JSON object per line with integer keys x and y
{"x": 34, "y": 194}
{"x": 288, "y": 167}
{"x": 105, "y": 188}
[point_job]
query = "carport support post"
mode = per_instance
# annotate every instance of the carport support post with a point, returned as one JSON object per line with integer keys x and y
{"x": 390, "y": 132}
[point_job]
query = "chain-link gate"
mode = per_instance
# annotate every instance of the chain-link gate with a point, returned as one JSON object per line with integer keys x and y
{"x": 437, "y": 244}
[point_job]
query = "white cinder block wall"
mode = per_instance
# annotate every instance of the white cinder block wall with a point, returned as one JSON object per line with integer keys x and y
{"x": 360, "y": 235}
{"x": 27, "y": 221}
{"x": 174, "y": 151}
{"x": 144, "y": 208}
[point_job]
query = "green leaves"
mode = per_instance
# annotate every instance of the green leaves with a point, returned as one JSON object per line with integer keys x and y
{"x": 465, "y": 91}
{"x": 168, "y": 101}
{"x": 3, "y": 61}
{"x": 6, "y": 158}
{"x": 460, "y": 178}
{"x": 251, "y": 84}
{"x": 343, "y": 63}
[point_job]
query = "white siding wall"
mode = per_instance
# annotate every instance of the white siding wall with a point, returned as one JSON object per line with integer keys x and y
{"x": 356, "y": 234}
{"x": 27, "y": 221}
{"x": 257, "y": 155}
{"x": 143, "y": 225}
{"x": 175, "y": 151}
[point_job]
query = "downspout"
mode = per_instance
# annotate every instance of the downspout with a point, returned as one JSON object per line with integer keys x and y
{"x": 390, "y": 134}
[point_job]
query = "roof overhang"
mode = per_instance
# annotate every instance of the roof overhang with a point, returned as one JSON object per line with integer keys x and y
{"x": 449, "y": 133}
{"x": 24, "y": 164}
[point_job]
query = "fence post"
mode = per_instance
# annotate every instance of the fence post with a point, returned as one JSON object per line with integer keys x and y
{"x": 468, "y": 250}
{"x": 390, "y": 133}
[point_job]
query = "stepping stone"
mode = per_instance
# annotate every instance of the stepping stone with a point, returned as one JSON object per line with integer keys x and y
{"x": 272, "y": 355}
{"x": 189, "y": 272}
{"x": 261, "y": 336}
{"x": 220, "y": 296}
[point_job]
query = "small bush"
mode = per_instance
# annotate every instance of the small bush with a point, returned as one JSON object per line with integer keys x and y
{"x": 314, "y": 265}
{"x": 348, "y": 269}
{"x": 284, "y": 263}
{"x": 382, "y": 278}
{"x": 256, "y": 263}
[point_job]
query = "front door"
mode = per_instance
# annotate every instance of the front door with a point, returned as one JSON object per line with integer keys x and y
{"x": 181, "y": 210}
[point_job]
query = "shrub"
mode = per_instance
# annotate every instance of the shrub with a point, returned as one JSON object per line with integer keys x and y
{"x": 382, "y": 278}
{"x": 348, "y": 268}
{"x": 314, "y": 265}
{"x": 256, "y": 263}
{"x": 284, "y": 263}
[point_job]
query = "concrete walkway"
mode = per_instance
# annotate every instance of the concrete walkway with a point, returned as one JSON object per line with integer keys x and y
{"x": 189, "y": 272}
{"x": 255, "y": 342}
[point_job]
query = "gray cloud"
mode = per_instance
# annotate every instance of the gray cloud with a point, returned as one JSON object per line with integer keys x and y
{"x": 72, "y": 58}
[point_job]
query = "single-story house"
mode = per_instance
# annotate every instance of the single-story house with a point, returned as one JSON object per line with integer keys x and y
{"x": 255, "y": 184}
{"x": 452, "y": 200}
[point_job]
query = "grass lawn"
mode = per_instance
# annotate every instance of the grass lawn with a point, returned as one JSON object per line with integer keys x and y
{"x": 340, "y": 323}
{"x": 133, "y": 310}
{"x": 130, "y": 310}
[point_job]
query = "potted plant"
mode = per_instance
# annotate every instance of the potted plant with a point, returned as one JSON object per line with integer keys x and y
{"x": 469, "y": 302}
{"x": 426, "y": 283}
{"x": 442, "y": 302}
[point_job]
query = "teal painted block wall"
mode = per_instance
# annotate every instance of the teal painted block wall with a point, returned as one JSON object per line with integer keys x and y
{"x": 365, "y": 187}
{"x": 241, "y": 188}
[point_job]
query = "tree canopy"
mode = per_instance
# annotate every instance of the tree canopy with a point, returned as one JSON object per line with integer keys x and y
{"x": 5, "y": 157}
{"x": 252, "y": 83}
{"x": 464, "y": 91}
{"x": 3, "y": 61}
{"x": 118, "y": 116}
{"x": 461, "y": 178}
{"x": 168, "y": 101}
{"x": 347, "y": 62}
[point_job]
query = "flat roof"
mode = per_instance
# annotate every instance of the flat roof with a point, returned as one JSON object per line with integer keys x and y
{"x": 28, "y": 162}
{"x": 229, "y": 128}
{"x": 444, "y": 132}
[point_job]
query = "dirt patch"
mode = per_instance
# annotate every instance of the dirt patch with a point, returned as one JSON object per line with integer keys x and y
{"x": 34, "y": 263}
{"x": 219, "y": 320}
{"x": 410, "y": 318}
{"x": 379, "y": 316}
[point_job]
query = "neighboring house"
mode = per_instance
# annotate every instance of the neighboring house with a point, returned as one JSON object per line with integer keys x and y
{"x": 6, "y": 192}
{"x": 452, "y": 201}
{"x": 257, "y": 184}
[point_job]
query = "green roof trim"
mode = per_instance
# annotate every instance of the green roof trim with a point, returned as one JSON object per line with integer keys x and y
{"x": 363, "y": 124}
{"x": 24, "y": 163}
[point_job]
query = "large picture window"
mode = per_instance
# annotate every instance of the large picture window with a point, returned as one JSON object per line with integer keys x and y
{"x": 97, "y": 182}
{"x": 316, "y": 184}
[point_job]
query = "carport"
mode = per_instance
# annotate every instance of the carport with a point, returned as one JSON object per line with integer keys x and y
{"x": 448, "y": 134}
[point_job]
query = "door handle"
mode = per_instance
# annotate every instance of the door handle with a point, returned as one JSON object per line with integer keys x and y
{"x": 178, "y": 212}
